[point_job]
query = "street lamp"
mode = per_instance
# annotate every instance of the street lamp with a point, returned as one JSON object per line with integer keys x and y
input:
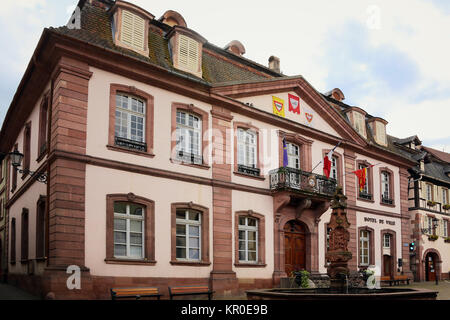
{"x": 16, "y": 161}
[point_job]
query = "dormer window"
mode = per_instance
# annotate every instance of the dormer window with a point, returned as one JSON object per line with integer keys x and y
{"x": 378, "y": 127}
{"x": 133, "y": 30}
{"x": 130, "y": 27}
{"x": 186, "y": 47}
{"x": 188, "y": 54}
{"x": 359, "y": 123}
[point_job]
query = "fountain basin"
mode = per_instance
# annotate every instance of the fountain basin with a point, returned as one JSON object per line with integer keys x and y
{"x": 353, "y": 294}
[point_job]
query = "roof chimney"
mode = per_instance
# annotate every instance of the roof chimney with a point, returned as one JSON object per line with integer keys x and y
{"x": 274, "y": 64}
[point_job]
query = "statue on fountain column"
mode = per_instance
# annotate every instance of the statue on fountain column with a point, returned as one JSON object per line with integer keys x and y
{"x": 338, "y": 254}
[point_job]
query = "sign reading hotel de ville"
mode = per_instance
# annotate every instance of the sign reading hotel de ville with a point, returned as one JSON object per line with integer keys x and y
{"x": 278, "y": 106}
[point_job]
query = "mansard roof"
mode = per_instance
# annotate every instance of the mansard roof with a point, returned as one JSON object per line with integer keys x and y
{"x": 219, "y": 65}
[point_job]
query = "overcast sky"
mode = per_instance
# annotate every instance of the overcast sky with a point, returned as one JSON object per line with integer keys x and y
{"x": 391, "y": 58}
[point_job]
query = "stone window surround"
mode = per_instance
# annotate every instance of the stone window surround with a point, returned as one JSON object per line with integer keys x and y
{"x": 339, "y": 164}
{"x": 204, "y": 211}
{"x": 261, "y": 223}
{"x": 149, "y": 116}
{"x": 370, "y": 180}
{"x": 371, "y": 246}
{"x": 304, "y": 145}
{"x": 391, "y": 186}
{"x": 149, "y": 229}
{"x": 40, "y": 228}
{"x": 13, "y": 241}
{"x": 43, "y": 126}
{"x": 204, "y": 116}
{"x": 116, "y": 13}
{"x": 259, "y": 152}
{"x": 24, "y": 235}
{"x": 26, "y": 149}
{"x": 349, "y": 113}
{"x": 393, "y": 249}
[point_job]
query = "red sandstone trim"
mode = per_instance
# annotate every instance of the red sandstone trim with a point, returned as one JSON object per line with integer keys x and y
{"x": 259, "y": 151}
{"x": 261, "y": 262}
{"x": 149, "y": 117}
{"x": 369, "y": 180}
{"x": 204, "y": 261}
{"x": 149, "y": 227}
{"x": 371, "y": 246}
{"x": 304, "y": 145}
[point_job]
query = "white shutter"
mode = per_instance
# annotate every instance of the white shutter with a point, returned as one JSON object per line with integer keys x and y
{"x": 139, "y": 32}
{"x": 133, "y": 30}
{"x": 188, "y": 58}
{"x": 127, "y": 27}
{"x": 381, "y": 133}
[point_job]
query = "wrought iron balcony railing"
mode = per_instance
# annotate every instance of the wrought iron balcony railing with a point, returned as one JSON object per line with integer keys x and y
{"x": 187, "y": 157}
{"x": 130, "y": 144}
{"x": 386, "y": 200}
{"x": 249, "y": 170}
{"x": 297, "y": 180}
{"x": 365, "y": 195}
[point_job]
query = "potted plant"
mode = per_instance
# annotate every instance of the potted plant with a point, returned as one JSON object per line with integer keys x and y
{"x": 431, "y": 203}
{"x": 433, "y": 237}
{"x": 302, "y": 278}
{"x": 446, "y": 206}
{"x": 447, "y": 240}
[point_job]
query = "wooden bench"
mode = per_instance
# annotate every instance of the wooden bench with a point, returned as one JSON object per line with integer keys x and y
{"x": 190, "y": 291}
{"x": 137, "y": 293}
{"x": 401, "y": 278}
{"x": 386, "y": 279}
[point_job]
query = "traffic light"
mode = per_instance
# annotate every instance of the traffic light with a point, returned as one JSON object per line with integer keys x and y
{"x": 412, "y": 246}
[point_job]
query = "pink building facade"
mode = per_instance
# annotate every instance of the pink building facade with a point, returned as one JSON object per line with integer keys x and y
{"x": 164, "y": 157}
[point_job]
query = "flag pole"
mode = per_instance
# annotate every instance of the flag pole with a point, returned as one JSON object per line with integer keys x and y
{"x": 321, "y": 161}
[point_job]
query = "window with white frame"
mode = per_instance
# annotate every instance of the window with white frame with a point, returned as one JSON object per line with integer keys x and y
{"x": 189, "y": 138}
{"x": 364, "y": 245}
{"x": 429, "y": 223}
{"x": 293, "y": 152}
{"x": 429, "y": 192}
{"x": 445, "y": 227}
{"x": 444, "y": 197}
{"x": 247, "y": 148}
{"x": 366, "y": 186}
{"x": 334, "y": 168}
{"x": 130, "y": 121}
{"x": 188, "y": 235}
{"x": 128, "y": 230}
{"x": 248, "y": 243}
{"x": 385, "y": 185}
{"x": 386, "y": 241}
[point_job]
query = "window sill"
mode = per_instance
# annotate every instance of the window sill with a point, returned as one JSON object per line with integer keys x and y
{"x": 42, "y": 259}
{"x": 126, "y": 150}
{"x": 130, "y": 262}
{"x": 240, "y": 174}
{"x": 193, "y": 165}
{"x": 190, "y": 263}
{"x": 250, "y": 265}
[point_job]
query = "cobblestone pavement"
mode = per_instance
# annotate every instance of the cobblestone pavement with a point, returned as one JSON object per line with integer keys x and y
{"x": 443, "y": 288}
{"x": 8, "y": 292}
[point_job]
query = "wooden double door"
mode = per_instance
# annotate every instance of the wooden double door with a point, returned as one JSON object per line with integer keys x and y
{"x": 294, "y": 247}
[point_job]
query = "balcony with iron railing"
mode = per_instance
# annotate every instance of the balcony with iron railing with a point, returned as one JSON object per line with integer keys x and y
{"x": 288, "y": 179}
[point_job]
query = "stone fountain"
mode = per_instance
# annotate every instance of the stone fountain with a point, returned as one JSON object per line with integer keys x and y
{"x": 338, "y": 270}
{"x": 338, "y": 253}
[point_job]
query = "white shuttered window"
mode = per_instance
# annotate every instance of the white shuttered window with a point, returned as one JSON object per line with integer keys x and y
{"x": 133, "y": 30}
{"x": 188, "y": 58}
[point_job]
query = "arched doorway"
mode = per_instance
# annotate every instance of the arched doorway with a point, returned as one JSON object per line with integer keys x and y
{"x": 431, "y": 260}
{"x": 294, "y": 246}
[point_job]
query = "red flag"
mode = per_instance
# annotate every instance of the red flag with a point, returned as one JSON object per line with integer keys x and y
{"x": 327, "y": 166}
{"x": 294, "y": 104}
{"x": 362, "y": 176}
